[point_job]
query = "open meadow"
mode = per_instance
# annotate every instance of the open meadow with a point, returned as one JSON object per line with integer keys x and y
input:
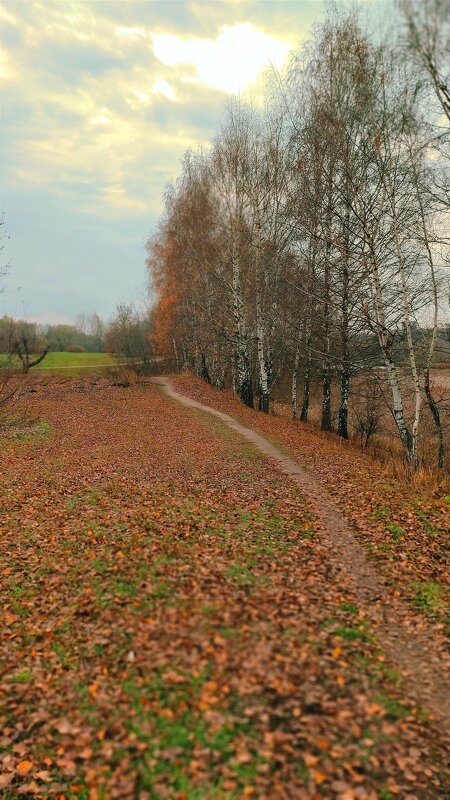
{"x": 68, "y": 364}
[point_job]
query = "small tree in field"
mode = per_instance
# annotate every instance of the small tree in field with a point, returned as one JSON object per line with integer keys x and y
{"x": 25, "y": 349}
{"x": 127, "y": 336}
{"x": 10, "y": 383}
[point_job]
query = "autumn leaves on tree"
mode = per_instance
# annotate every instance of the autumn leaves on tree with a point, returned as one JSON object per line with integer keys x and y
{"x": 308, "y": 240}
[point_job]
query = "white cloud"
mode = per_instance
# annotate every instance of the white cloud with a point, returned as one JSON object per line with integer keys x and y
{"x": 130, "y": 34}
{"x": 229, "y": 63}
{"x": 164, "y": 88}
{"x": 117, "y": 197}
{"x": 108, "y": 128}
{"x": 101, "y": 119}
{"x": 7, "y": 69}
{"x": 102, "y": 99}
{"x": 48, "y": 317}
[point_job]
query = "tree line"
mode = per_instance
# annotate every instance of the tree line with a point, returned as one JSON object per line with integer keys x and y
{"x": 126, "y": 334}
{"x": 308, "y": 241}
{"x": 88, "y": 335}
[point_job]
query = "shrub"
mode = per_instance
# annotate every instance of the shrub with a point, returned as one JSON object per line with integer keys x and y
{"x": 367, "y": 413}
{"x": 11, "y": 386}
{"x": 126, "y": 376}
{"x": 74, "y": 348}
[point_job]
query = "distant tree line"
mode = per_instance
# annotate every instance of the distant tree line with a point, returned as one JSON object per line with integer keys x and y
{"x": 88, "y": 335}
{"x": 126, "y": 335}
{"x": 309, "y": 240}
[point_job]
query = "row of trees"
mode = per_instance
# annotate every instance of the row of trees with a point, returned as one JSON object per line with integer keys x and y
{"x": 126, "y": 334}
{"x": 88, "y": 335}
{"x": 309, "y": 238}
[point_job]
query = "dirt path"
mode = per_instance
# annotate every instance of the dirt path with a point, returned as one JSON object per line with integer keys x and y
{"x": 419, "y": 654}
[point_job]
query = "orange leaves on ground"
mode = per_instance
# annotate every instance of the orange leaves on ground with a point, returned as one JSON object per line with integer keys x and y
{"x": 24, "y": 767}
{"x": 194, "y": 639}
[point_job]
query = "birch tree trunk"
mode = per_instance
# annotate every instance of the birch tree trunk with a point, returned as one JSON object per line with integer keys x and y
{"x": 263, "y": 377}
{"x": 413, "y": 453}
{"x": 306, "y": 381}
{"x": 434, "y": 408}
{"x": 345, "y": 363}
{"x": 326, "y": 423}
{"x": 244, "y": 382}
{"x": 385, "y": 343}
{"x": 294, "y": 378}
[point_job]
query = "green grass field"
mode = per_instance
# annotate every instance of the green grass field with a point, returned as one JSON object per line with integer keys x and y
{"x": 67, "y": 363}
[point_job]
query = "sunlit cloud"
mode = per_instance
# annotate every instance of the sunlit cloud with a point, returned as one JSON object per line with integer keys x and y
{"x": 130, "y": 34}
{"x": 118, "y": 198}
{"x": 7, "y": 14}
{"x": 95, "y": 122}
{"x": 8, "y": 70}
{"x": 229, "y": 63}
{"x": 101, "y": 119}
{"x": 164, "y": 88}
{"x": 101, "y": 99}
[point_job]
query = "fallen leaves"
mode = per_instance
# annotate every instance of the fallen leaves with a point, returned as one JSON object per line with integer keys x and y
{"x": 409, "y": 529}
{"x": 6, "y": 779}
{"x": 172, "y": 630}
{"x": 23, "y": 767}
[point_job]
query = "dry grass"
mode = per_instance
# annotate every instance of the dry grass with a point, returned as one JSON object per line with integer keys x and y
{"x": 126, "y": 376}
{"x": 12, "y": 385}
{"x": 384, "y": 446}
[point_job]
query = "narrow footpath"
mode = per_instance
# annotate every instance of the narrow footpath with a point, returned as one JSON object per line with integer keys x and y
{"x": 422, "y": 659}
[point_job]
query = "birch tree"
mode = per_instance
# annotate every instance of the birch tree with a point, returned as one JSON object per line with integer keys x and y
{"x": 428, "y": 36}
{"x": 307, "y": 245}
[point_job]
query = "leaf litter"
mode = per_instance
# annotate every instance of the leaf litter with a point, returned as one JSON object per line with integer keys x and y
{"x": 175, "y": 626}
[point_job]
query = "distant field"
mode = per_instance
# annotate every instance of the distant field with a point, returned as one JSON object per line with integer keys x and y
{"x": 71, "y": 363}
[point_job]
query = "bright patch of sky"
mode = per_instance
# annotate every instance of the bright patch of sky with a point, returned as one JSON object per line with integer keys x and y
{"x": 230, "y": 62}
{"x": 100, "y": 100}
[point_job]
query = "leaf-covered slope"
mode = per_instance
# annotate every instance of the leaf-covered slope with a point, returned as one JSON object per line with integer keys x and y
{"x": 174, "y": 625}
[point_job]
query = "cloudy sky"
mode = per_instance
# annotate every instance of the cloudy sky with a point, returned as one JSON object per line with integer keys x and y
{"x": 99, "y": 102}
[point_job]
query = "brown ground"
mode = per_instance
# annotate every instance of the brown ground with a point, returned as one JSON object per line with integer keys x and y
{"x": 421, "y": 654}
{"x": 177, "y": 624}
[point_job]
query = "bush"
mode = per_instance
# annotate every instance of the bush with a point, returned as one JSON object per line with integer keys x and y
{"x": 11, "y": 386}
{"x": 127, "y": 335}
{"x": 367, "y": 413}
{"x": 126, "y": 376}
{"x": 74, "y": 348}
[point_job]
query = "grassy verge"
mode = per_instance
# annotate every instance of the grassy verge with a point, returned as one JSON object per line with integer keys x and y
{"x": 66, "y": 363}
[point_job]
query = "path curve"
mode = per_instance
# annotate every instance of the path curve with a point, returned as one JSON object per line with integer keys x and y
{"x": 420, "y": 654}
